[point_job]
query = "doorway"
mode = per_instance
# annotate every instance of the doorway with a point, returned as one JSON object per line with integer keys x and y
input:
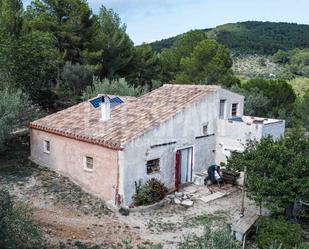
{"x": 183, "y": 168}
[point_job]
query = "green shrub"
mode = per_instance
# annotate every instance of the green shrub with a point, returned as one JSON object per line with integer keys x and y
{"x": 15, "y": 111}
{"x": 17, "y": 229}
{"x": 113, "y": 87}
{"x": 150, "y": 192}
{"x": 211, "y": 239}
{"x": 272, "y": 231}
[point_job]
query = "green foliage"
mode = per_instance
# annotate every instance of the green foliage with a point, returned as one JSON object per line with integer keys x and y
{"x": 301, "y": 110}
{"x": 277, "y": 171}
{"x": 171, "y": 58}
{"x": 76, "y": 77}
{"x": 150, "y": 192}
{"x": 147, "y": 66}
{"x": 111, "y": 50}
{"x": 255, "y": 101}
{"x": 69, "y": 21}
{"x": 252, "y": 37}
{"x": 196, "y": 59}
{"x": 15, "y": 109}
{"x": 209, "y": 63}
{"x": 279, "y": 92}
{"x": 11, "y": 20}
{"x": 113, "y": 87}
{"x": 300, "y": 85}
{"x": 17, "y": 230}
{"x": 261, "y": 37}
{"x": 211, "y": 239}
{"x": 281, "y": 57}
{"x": 272, "y": 231}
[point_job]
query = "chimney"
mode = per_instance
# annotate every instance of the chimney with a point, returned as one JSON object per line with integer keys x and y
{"x": 105, "y": 109}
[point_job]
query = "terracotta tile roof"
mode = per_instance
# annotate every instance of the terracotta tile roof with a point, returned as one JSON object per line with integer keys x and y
{"x": 128, "y": 120}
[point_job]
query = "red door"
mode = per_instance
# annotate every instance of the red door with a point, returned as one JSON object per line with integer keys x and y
{"x": 177, "y": 171}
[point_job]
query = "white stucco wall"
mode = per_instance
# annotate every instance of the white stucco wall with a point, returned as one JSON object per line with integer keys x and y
{"x": 183, "y": 129}
{"x": 276, "y": 129}
{"x": 234, "y": 135}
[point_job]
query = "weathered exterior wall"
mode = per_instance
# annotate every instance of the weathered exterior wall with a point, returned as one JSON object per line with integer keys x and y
{"x": 183, "y": 129}
{"x": 234, "y": 135}
{"x": 67, "y": 155}
{"x": 231, "y": 98}
{"x": 276, "y": 130}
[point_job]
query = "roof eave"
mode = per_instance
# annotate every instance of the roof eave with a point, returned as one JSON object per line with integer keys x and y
{"x": 100, "y": 142}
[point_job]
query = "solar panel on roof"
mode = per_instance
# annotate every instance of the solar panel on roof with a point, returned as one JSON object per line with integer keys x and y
{"x": 96, "y": 102}
{"x": 116, "y": 101}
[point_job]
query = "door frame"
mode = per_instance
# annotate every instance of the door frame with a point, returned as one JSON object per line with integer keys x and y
{"x": 178, "y": 167}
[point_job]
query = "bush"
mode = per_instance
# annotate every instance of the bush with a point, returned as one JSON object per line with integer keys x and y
{"x": 114, "y": 87}
{"x": 15, "y": 111}
{"x": 211, "y": 239}
{"x": 150, "y": 192}
{"x": 272, "y": 231}
{"x": 17, "y": 230}
{"x": 77, "y": 76}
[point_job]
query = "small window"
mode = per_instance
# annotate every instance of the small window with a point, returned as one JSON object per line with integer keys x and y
{"x": 234, "y": 109}
{"x": 88, "y": 163}
{"x": 222, "y": 109}
{"x": 153, "y": 166}
{"x": 205, "y": 129}
{"x": 46, "y": 145}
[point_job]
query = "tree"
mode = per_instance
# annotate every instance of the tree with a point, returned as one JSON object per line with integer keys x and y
{"x": 280, "y": 94}
{"x": 146, "y": 66}
{"x": 170, "y": 58}
{"x": 277, "y": 171}
{"x": 17, "y": 229}
{"x": 30, "y": 63}
{"x": 255, "y": 101}
{"x": 76, "y": 77}
{"x": 69, "y": 21}
{"x": 281, "y": 57}
{"x": 11, "y": 17}
{"x": 15, "y": 111}
{"x": 114, "y": 87}
{"x": 209, "y": 63}
{"x": 111, "y": 50}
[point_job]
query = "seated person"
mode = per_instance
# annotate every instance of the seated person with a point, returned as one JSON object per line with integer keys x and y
{"x": 218, "y": 174}
{"x": 214, "y": 174}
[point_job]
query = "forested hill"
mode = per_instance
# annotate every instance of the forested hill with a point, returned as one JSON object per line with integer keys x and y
{"x": 253, "y": 37}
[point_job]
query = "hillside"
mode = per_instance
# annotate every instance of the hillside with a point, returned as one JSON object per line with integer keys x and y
{"x": 253, "y": 37}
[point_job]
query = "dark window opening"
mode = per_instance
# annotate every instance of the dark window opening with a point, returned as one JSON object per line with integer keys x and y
{"x": 234, "y": 109}
{"x": 205, "y": 129}
{"x": 222, "y": 109}
{"x": 153, "y": 166}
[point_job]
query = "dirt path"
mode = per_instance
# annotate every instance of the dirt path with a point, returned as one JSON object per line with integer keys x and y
{"x": 170, "y": 224}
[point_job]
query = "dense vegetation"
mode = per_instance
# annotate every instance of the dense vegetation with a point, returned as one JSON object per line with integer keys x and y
{"x": 277, "y": 170}
{"x": 17, "y": 229}
{"x": 253, "y": 37}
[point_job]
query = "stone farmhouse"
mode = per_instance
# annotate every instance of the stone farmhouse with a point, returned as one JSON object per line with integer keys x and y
{"x": 172, "y": 133}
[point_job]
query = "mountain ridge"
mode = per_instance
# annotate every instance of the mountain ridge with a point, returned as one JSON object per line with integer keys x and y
{"x": 252, "y": 37}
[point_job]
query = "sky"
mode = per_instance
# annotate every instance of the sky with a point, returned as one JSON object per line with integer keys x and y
{"x": 150, "y": 20}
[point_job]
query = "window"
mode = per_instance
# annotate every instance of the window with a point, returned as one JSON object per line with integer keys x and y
{"x": 46, "y": 145}
{"x": 222, "y": 109}
{"x": 234, "y": 109}
{"x": 205, "y": 129}
{"x": 153, "y": 166}
{"x": 88, "y": 163}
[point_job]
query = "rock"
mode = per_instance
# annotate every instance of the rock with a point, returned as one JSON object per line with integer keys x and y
{"x": 178, "y": 194}
{"x": 185, "y": 197}
{"x": 171, "y": 196}
{"x": 177, "y": 201}
{"x": 187, "y": 203}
